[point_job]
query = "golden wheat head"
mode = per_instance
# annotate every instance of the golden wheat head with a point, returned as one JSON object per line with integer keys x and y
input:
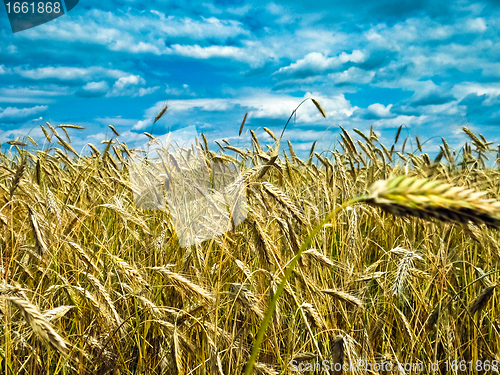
{"x": 40, "y": 325}
{"x": 402, "y": 196}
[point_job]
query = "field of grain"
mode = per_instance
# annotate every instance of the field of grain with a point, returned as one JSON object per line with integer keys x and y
{"x": 92, "y": 284}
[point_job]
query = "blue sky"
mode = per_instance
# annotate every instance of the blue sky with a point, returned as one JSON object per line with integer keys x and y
{"x": 433, "y": 67}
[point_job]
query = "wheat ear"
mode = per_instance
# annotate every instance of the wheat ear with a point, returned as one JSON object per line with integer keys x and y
{"x": 40, "y": 325}
{"x": 427, "y": 199}
{"x": 16, "y": 180}
{"x": 343, "y": 296}
{"x": 184, "y": 285}
{"x": 480, "y": 302}
{"x": 39, "y": 240}
{"x": 264, "y": 369}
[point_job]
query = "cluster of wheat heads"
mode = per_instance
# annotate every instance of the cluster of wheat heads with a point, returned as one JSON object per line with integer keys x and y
{"x": 90, "y": 283}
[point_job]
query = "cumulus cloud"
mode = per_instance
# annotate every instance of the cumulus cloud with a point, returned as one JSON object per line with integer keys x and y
{"x": 375, "y": 111}
{"x": 428, "y": 93}
{"x": 126, "y": 86}
{"x": 316, "y": 63}
{"x": 380, "y": 111}
{"x": 476, "y": 25}
{"x": 142, "y": 125}
{"x": 94, "y": 89}
{"x": 352, "y": 76}
{"x": 431, "y": 98}
{"x": 199, "y": 52}
{"x": 147, "y": 91}
{"x": 480, "y": 111}
{"x": 210, "y": 27}
{"x": 14, "y": 115}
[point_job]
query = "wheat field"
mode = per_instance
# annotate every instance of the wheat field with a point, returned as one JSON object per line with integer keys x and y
{"x": 92, "y": 284}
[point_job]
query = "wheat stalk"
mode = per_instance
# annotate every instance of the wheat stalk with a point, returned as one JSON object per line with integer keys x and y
{"x": 69, "y": 126}
{"x": 17, "y": 143}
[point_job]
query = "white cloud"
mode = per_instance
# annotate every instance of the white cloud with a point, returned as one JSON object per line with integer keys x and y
{"x": 492, "y": 90}
{"x": 316, "y": 63}
{"x": 140, "y": 47}
{"x": 96, "y": 138}
{"x": 96, "y": 86}
{"x": 29, "y": 94}
{"x": 375, "y": 111}
{"x": 129, "y": 80}
{"x": 304, "y": 135}
{"x": 205, "y": 104}
{"x": 259, "y": 104}
{"x": 199, "y": 52}
{"x": 94, "y": 89}
{"x": 14, "y": 115}
{"x": 142, "y": 124}
{"x": 117, "y": 121}
{"x": 154, "y": 33}
{"x": 184, "y": 90}
{"x": 126, "y": 86}
{"x": 353, "y": 75}
{"x": 135, "y": 33}
{"x": 277, "y": 108}
{"x": 198, "y": 30}
{"x": 408, "y": 54}
{"x": 380, "y": 111}
{"x": 476, "y": 25}
{"x": 147, "y": 91}
{"x": 65, "y": 73}
{"x": 399, "y": 120}
{"x": 253, "y": 53}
